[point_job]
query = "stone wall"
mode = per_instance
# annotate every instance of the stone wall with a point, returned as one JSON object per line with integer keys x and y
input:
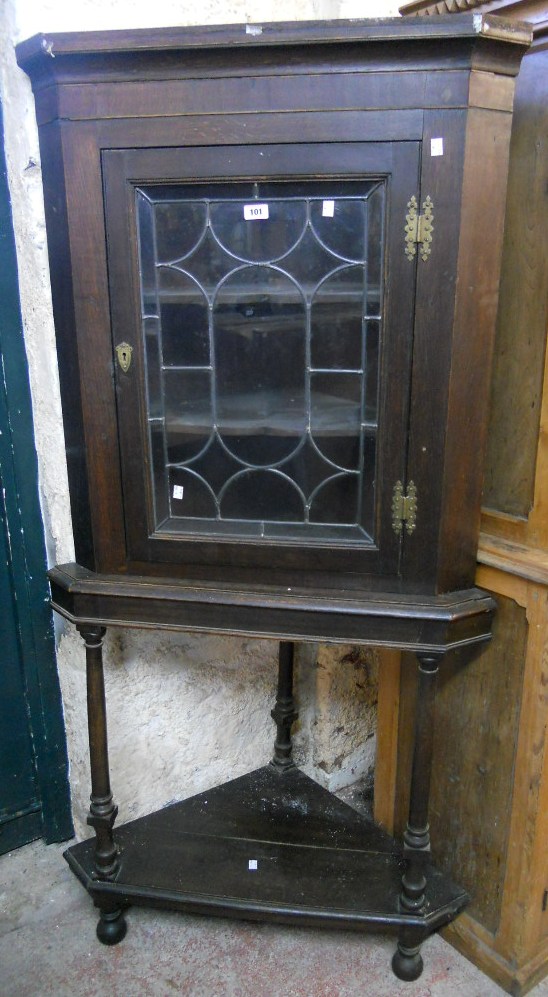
{"x": 187, "y": 711}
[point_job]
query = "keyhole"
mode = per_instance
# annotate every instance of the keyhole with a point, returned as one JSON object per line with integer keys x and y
{"x": 124, "y": 351}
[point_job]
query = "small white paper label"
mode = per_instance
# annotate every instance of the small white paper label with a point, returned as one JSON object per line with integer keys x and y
{"x": 178, "y": 491}
{"x": 436, "y": 147}
{"x": 252, "y": 865}
{"x": 328, "y": 209}
{"x": 255, "y": 212}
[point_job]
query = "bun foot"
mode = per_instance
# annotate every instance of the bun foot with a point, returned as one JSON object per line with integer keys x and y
{"x": 112, "y": 927}
{"x": 407, "y": 963}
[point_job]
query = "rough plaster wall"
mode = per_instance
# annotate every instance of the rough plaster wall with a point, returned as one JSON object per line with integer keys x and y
{"x": 190, "y": 712}
{"x": 346, "y": 700}
{"x": 25, "y": 181}
{"x": 186, "y": 711}
{"x": 92, "y": 15}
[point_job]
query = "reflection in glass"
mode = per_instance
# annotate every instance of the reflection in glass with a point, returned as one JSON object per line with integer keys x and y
{"x": 190, "y": 495}
{"x": 214, "y": 464}
{"x": 336, "y": 321}
{"x": 375, "y": 251}
{"x": 309, "y": 262}
{"x": 159, "y": 470}
{"x": 344, "y": 231}
{"x": 209, "y": 264}
{"x": 367, "y": 484}
{"x": 188, "y": 413}
{"x": 147, "y": 263}
{"x": 259, "y": 323}
{"x": 307, "y": 468}
{"x": 179, "y": 227}
{"x": 153, "y": 359}
{"x": 372, "y": 353}
{"x": 335, "y": 501}
{"x": 184, "y": 317}
{"x": 335, "y": 417}
{"x": 259, "y": 239}
{"x": 262, "y": 495}
{"x": 262, "y": 344}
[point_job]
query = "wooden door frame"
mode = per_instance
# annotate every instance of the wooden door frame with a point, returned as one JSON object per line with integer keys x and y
{"x": 28, "y": 555}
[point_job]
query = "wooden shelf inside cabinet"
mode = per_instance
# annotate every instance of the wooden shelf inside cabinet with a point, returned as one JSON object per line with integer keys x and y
{"x": 275, "y": 314}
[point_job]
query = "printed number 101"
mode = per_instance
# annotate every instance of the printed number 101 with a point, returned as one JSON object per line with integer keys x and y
{"x": 252, "y": 212}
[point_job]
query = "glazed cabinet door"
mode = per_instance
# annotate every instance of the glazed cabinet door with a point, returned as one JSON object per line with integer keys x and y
{"x": 262, "y": 316}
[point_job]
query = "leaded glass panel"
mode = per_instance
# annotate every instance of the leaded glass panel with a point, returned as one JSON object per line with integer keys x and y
{"x": 262, "y": 326}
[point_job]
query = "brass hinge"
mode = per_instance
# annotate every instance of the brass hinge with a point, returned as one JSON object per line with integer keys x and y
{"x": 404, "y": 508}
{"x": 419, "y": 228}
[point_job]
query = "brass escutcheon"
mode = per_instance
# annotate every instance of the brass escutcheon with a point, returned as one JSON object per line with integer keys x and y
{"x": 124, "y": 352}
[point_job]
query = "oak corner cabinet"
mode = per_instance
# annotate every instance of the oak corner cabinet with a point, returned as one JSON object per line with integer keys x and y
{"x": 275, "y": 256}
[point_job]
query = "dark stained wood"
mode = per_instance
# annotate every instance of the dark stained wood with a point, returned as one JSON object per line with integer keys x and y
{"x": 440, "y": 430}
{"x": 121, "y": 170}
{"x": 428, "y": 623}
{"x": 103, "y": 811}
{"x": 416, "y": 836}
{"x": 284, "y": 713}
{"x": 470, "y": 823}
{"x": 87, "y": 244}
{"x": 407, "y": 962}
{"x": 318, "y": 861}
{"x": 55, "y": 203}
{"x": 516, "y": 460}
{"x": 261, "y": 127}
{"x": 346, "y": 92}
{"x": 41, "y": 47}
{"x": 89, "y": 335}
{"x": 441, "y": 180}
{"x": 302, "y": 101}
{"x": 473, "y": 338}
{"x": 300, "y": 87}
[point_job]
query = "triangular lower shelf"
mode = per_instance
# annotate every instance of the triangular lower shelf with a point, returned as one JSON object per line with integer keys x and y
{"x": 318, "y": 861}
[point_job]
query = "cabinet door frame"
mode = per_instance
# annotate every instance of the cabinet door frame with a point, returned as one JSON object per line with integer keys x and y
{"x": 123, "y": 171}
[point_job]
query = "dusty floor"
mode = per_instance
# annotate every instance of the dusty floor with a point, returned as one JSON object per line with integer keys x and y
{"x": 48, "y": 948}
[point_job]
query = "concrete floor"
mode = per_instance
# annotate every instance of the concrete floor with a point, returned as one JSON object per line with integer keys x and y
{"x": 48, "y": 948}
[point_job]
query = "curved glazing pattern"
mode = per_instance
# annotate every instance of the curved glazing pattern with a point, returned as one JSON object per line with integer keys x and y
{"x": 258, "y": 243}
{"x": 262, "y": 326}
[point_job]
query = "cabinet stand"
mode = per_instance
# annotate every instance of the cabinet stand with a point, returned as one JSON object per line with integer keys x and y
{"x": 103, "y": 811}
{"x": 284, "y": 713}
{"x": 272, "y": 845}
{"x": 407, "y": 962}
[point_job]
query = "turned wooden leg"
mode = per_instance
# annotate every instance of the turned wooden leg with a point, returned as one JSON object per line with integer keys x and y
{"x": 284, "y": 713}
{"x": 407, "y": 962}
{"x": 112, "y": 926}
{"x": 102, "y": 811}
